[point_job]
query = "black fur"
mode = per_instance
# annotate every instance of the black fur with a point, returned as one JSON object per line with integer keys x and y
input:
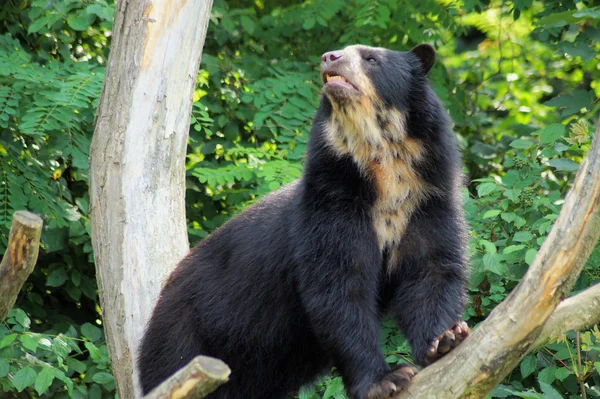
{"x": 297, "y": 283}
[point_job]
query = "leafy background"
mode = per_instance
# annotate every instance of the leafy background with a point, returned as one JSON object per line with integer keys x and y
{"x": 520, "y": 79}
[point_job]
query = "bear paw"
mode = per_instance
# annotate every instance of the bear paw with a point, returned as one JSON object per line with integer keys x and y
{"x": 449, "y": 340}
{"x": 394, "y": 382}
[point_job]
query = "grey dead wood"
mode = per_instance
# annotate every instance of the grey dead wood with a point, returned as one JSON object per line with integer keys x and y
{"x": 529, "y": 316}
{"x": 196, "y": 380}
{"x": 137, "y": 166}
{"x": 20, "y": 257}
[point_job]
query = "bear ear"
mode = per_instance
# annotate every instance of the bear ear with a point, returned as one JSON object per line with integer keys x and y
{"x": 426, "y": 54}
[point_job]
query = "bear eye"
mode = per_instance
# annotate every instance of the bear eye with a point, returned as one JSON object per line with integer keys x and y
{"x": 371, "y": 59}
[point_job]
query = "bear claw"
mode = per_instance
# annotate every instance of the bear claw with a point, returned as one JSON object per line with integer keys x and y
{"x": 394, "y": 382}
{"x": 447, "y": 341}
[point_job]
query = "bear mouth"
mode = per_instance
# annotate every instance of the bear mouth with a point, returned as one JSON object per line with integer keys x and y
{"x": 331, "y": 78}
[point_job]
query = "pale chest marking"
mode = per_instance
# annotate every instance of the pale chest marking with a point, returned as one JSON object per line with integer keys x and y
{"x": 377, "y": 140}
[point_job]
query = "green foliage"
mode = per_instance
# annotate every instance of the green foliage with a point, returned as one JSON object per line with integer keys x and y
{"x": 519, "y": 79}
{"x": 51, "y": 74}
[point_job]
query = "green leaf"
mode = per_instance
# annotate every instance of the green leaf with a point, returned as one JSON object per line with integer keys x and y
{"x": 551, "y": 133}
{"x": 528, "y": 365}
{"x": 489, "y": 246}
{"x": 37, "y": 25}
{"x": 503, "y": 391}
{"x": 29, "y": 342}
{"x": 248, "y": 24}
{"x": 508, "y": 217}
{"x": 20, "y": 317}
{"x": 45, "y": 344}
{"x": 57, "y": 277}
{"x": 513, "y": 248}
{"x": 44, "y": 379}
{"x": 90, "y": 331}
{"x": 80, "y": 22}
{"x": 572, "y": 102}
{"x": 95, "y": 392}
{"x": 335, "y": 386}
{"x": 24, "y": 378}
{"x": 522, "y": 236}
{"x": 564, "y": 164}
{"x": 549, "y": 392}
{"x": 76, "y": 278}
{"x": 530, "y": 255}
{"x": 4, "y": 367}
{"x": 76, "y": 365}
{"x": 593, "y": 13}
{"x": 493, "y": 264}
{"x": 7, "y": 340}
{"x": 521, "y": 143}
{"x": 562, "y": 373}
{"x": 93, "y": 350}
{"x": 308, "y": 23}
{"x": 529, "y": 395}
{"x": 60, "y": 346}
{"x": 103, "y": 378}
{"x": 491, "y": 213}
{"x": 486, "y": 188}
{"x": 547, "y": 375}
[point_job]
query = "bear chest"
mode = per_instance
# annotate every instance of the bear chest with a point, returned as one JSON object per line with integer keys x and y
{"x": 399, "y": 192}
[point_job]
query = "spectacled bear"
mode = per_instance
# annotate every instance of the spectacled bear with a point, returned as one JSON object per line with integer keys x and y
{"x": 298, "y": 282}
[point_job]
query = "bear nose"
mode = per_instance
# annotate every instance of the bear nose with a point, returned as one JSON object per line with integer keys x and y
{"x": 331, "y": 57}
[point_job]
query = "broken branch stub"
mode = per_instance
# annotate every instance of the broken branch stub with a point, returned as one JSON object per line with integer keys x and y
{"x": 196, "y": 380}
{"x": 20, "y": 257}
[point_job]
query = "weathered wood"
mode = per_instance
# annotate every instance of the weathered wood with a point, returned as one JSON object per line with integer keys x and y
{"x": 20, "y": 257}
{"x": 575, "y": 313}
{"x": 137, "y": 165}
{"x": 196, "y": 380}
{"x": 512, "y": 329}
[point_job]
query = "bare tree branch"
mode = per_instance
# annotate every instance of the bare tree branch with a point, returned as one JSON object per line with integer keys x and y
{"x": 20, "y": 257}
{"x": 576, "y": 313}
{"x": 512, "y": 329}
{"x": 197, "y": 379}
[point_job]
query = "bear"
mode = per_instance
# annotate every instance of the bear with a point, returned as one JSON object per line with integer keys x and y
{"x": 298, "y": 282}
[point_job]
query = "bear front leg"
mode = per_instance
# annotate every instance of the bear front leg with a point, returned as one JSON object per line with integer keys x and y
{"x": 428, "y": 304}
{"x": 337, "y": 281}
{"x": 341, "y": 309}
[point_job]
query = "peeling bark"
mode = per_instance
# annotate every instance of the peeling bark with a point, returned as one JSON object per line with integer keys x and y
{"x": 20, "y": 257}
{"x": 197, "y": 379}
{"x": 518, "y": 324}
{"x": 137, "y": 165}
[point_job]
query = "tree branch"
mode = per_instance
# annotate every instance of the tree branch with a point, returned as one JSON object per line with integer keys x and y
{"x": 197, "y": 379}
{"x": 20, "y": 257}
{"x": 512, "y": 329}
{"x": 575, "y": 313}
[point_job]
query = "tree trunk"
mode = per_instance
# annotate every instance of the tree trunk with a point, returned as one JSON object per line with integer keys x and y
{"x": 137, "y": 165}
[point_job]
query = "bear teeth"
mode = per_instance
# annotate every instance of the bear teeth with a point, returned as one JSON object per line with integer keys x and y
{"x": 330, "y": 78}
